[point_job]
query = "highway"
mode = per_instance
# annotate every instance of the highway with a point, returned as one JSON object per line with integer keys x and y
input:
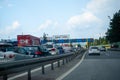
{"x": 103, "y": 67}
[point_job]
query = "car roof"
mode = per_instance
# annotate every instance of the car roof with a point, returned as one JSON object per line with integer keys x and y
{"x": 32, "y": 46}
{"x": 5, "y": 44}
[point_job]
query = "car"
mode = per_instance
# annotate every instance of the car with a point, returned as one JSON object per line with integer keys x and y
{"x": 37, "y": 50}
{"x": 68, "y": 49}
{"x": 6, "y": 50}
{"x": 94, "y": 50}
{"x": 102, "y": 48}
{"x": 52, "y": 48}
{"x": 22, "y": 51}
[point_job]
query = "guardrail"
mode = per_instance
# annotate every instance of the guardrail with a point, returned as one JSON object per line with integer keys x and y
{"x": 114, "y": 49}
{"x": 28, "y": 65}
{"x": 3, "y": 60}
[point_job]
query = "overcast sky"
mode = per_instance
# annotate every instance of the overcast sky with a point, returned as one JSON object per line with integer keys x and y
{"x": 78, "y": 18}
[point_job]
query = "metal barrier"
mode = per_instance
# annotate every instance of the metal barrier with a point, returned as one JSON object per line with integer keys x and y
{"x": 114, "y": 49}
{"x": 29, "y": 64}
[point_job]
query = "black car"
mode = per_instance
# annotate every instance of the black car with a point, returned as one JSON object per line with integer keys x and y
{"x": 22, "y": 50}
{"x": 37, "y": 50}
{"x": 22, "y": 54}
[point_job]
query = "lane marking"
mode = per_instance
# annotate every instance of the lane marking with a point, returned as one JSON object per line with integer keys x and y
{"x": 32, "y": 71}
{"x": 68, "y": 72}
{"x": 25, "y": 73}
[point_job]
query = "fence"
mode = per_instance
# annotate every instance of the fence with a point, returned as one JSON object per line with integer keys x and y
{"x": 28, "y": 65}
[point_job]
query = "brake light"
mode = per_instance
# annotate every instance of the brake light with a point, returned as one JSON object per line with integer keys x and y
{"x": 10, "y": 56}
{"x": 38, "y": 52}
{"x": 53, "y": 49}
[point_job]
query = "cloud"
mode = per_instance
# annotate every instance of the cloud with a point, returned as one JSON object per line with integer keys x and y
{"x": 83, "y": 19}
{"x": 51, "y": 27}
{"x": 45, "y": 25}
{"x": 10, "y": 5}
{"x": 84, "y": 25}
{"x": 103, "y": 6}
{"x": 93, "y": 20}
{"x": 48, "y": 24}
{"x": 15, "y": 24}
{"x": 7, "y": 30}
{"x": 97, "y": 5}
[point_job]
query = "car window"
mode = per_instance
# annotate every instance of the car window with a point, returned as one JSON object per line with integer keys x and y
{"x": 6, "y": 48}
{"x": 31, "y": 48}
{"x": 103, "y": 46}
{"x": 21, "y": 50}
{"x": 49, "y": 46}
{"x": 94, "y": 48}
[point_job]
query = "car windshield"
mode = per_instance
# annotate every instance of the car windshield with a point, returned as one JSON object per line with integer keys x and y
{"x": 103, "y": 46}
{"x": 31, "y": 48}
{"x": 94, "y": 48}
{"x": 49, "y": 46}
{"x": 6, "y": 48}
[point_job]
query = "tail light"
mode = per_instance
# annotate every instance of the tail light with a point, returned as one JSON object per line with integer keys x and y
{"x": 53, "y": 49}
{"x": 11, "y": 56}
{"x": 38, "y": 52}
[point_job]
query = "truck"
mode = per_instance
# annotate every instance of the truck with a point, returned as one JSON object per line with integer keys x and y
{"x": 27, "y": 40}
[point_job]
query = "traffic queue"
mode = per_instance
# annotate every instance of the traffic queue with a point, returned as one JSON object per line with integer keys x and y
{"x": 30, "y": 47}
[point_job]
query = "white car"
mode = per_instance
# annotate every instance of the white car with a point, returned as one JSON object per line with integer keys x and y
{"x": 52, "y": 48}
{"x": 94, "y": 50}
{"x": 6, "y": 50}
{"x": 102, "y": 48}
{"x": 8, "y": 54}
{"x": 68, "y": 49}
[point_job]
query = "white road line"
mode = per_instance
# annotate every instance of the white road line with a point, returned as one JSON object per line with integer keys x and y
{"x": 61, "y": 77}
{"x": 68, "y": 72}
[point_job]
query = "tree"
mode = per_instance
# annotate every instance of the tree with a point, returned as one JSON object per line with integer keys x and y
{"x": 113, "y": 33}
{"x": 103, "y": 41}
{"x": 45, "y": 37}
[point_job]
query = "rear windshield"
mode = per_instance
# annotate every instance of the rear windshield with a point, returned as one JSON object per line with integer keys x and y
{"x": 103, "y": 46}
{"x": 31, "y": 48}
{"x": 6, "y": 48}
{"x": 49, "y": 46}
{"x": 94, "y": 47}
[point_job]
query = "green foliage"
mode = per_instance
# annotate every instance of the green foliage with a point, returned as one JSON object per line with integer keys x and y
{"x": 100, "y": 41}
{"x": 113, "y": 33}
{"x": 45, "y": 37}
{"x": 79, "y": 45}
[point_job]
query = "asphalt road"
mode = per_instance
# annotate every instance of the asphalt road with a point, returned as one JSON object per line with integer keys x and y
{"x": 103, "y": 67}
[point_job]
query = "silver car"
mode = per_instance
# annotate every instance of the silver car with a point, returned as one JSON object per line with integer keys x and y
{"x": 52, "y": 48}
{"x": 6, "y": 50}
{"x": 94, "y": 50}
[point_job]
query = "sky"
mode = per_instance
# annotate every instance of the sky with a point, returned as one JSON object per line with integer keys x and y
{"x": 77, "y": 18}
